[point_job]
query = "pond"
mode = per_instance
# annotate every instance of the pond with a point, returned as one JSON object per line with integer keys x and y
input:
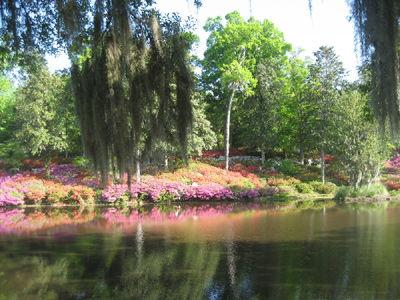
{"x": 201, "y": 251}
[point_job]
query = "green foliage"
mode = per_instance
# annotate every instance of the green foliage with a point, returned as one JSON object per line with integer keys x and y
{"x": 343, "y": 192}
{"x": 166, "y": 197}
{"x": 304, "y": 188}
{"x": 245, "y": 183}
{"x": 296, "y": 109}
{"x": 289, "y": 167}
{"x": 359, "y": 145}
{"x": 10, "y": 149}
{"x": 202, "y": 136}
{"x": 41, "y": 112}
{"x": 326, "y": 82}
{"x": 229, "y": 66}
{"x": 319, "y": 187}
{"x": 374, "y": 189}
{"x": 260, "y": 121}
{"x": 365, "y": 191}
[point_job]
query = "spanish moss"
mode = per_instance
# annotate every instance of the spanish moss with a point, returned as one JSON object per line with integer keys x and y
{"x": 377, "y": 29}
{"x": 133, "y": 91}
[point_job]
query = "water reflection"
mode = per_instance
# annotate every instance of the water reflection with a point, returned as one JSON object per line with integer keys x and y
{"x": 223, "y": 251}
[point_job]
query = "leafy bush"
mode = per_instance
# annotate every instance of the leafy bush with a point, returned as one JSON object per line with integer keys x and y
{"x": 319, "y": 187}
{"x": 375, "y": 189}
{"x": 343, "y": 192}
{"x": 165, "y": 197}
{"x": 289, "y": 167}
{"x": 304, "y": 188}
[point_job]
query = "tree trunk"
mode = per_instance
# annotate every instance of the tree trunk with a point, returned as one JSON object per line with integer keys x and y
{"x": 47, "y": 165}
{"x": 137, "y": 161}
{"x": 165, "y": 162}
{"x": 262, "y": 154}
{"x": 323, "y": 165}
{"x": 129, "y": 184}
{"x": 301, "y": 150}
{"x": 227, "y": 126}
{"x": 228, "y": 115}
{"x": 114, "y": 172}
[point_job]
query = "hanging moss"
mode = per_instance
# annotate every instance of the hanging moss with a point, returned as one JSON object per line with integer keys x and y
{"x": 377, "y": 28}
{"x": 125, "y": 95}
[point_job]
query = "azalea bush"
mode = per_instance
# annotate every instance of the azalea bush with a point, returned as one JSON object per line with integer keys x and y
{"x": 201, "y": 173}
{"x": 161, "y": 190}
{"x": 30, "y": 187}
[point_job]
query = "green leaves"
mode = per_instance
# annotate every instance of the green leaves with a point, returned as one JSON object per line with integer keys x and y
{"x": 41, "y": 109}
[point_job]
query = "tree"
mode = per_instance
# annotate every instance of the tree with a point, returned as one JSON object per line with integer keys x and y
{"x": 41, "y": 112}
{"x": 295, "y": 107}
{"x": 123, "y": 90}
{"x": 200, "y": 135}
{"x": 359, "y": 146}
{"x": 232, "y": 53}
{"x": 7, "y": 114}
{"x": 261, "y": 121}
{"x": 327, "y": 80}
{"x": 134, "y": 92}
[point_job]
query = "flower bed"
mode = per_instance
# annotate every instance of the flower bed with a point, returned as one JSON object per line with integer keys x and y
{"x": 30, "y": 187}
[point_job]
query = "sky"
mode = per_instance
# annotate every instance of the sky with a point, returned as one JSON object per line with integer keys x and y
{"x": 326, "y": 25}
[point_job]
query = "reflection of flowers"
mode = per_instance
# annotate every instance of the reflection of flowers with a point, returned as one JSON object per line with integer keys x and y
{"x": 18, "y": 221}
{"x": 21, "y": 221}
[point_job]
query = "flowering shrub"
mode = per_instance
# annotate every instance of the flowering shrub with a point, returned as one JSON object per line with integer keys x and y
{"x": 393, "y": 165}
{"x": 82, "y": 194}
{"x": 36, "y": 192}
{"x": 10, "y": 192}
{"x": 247, "y": 193}
{"x": 28, "y": 188}
{"x": 329, "y": 159}
{"x": 285, "y": 191}
{"x": 219, "y": 153}
{"x": 57, "y": 192}
{"x": 393, "y": 185}
{"x": 201, "y": 173}
{"x": 273, "y": 181}
{"x": 160, "y": 190}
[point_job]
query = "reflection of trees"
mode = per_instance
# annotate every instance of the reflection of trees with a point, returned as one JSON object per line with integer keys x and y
{"x": 47, "y": 281}
{"x": 180, "y": 271}
{"x": 287, "y": 255}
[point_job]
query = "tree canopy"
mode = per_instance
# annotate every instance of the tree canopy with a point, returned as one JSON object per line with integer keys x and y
{"x": 42, "y": 113}
{"x": 233, "y": 51}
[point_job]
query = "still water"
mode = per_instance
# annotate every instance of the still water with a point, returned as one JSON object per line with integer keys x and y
{"x": 214, "y": 251}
